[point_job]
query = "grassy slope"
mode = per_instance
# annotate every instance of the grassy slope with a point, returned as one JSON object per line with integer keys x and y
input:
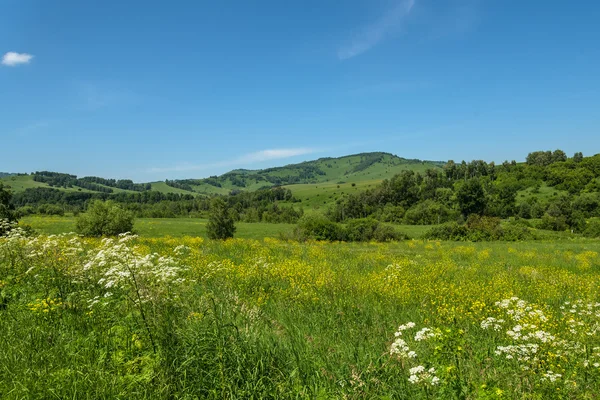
{"x": 336, "y": 170}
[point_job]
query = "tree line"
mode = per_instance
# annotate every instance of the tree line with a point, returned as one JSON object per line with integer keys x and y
{"x": 94, "y": 183}
{"x": 485, "y": 189}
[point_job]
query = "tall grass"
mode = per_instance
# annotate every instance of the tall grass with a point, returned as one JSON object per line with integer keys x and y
{"x": 188, "y": 318}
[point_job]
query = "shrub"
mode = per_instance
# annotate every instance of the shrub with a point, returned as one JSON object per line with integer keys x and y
{"x": 7, "y": 213}
{"x": 480, "y": 229}
{"x": 104, "y": 219}
{"x": 387, "y": 233}
{"x": 553, "y": 223}
{"x": 361, "y": 230}
{"x": 592, "y": 229}
{"x": 319, "y": 227}
{"x": 429, "y": 212}
{"x": 220, "y": 221}
{"x": 448, "y": 231}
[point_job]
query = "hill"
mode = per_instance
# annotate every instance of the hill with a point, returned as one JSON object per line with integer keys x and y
{"x": 359, "y": 169}
{"x": 353, "y": 171}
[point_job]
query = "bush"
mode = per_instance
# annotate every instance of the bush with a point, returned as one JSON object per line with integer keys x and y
{"x": 592, "y": 229}
{"x": 361, "y": 230}
{"x": 448, "y": 231}
{"x": 319, "y": 227}
{"x": 429, "y": 212}
{"x": 7, "y": 213}
{"x": 104, "y": 219}
{"x": 553, "y": 223}
{"x": 387, "y": 233}
{"x": 480, "y": 229}
{"x": 220, "y": 221}
{"x": 483, "y": 228}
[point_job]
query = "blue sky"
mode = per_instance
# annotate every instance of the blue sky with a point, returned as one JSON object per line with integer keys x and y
{"x": 150, "y": 90}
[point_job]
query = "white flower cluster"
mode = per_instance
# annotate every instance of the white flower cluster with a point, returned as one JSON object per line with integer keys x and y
{"x": 182, "y": 250}
{"x": 551, "y": 376}
{"x": 520, "y": 352}
{"x": 491, "y": 322}
{"x": 121, "y": 266}
{"x": 531, "y": 345}
{"x": 400, "y": 349}
{"x": 517, "y": 309}
{"x": 419, "y": 374}
{"x": 424, "y": 334}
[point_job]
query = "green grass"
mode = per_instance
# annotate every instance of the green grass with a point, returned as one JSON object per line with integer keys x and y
{"x": 335, "y": 170}
{"x": 544, "y": 194}
{"x": 160, "y": 227}
{"x": 254, "y": 319}
{"x": 19, "y": 183}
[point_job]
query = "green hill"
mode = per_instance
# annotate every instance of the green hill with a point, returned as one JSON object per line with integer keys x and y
{"x": 316, "y": 178}
{"x": 361, "y": 169}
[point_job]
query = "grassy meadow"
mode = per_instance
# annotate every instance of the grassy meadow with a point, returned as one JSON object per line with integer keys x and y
{"x": 166, "y": 317}
{"x": 180, "y": 227}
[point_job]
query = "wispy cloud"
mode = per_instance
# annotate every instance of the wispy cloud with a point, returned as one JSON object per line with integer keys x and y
{"x": 378, "y": 31}
{"x": 12, "y": 59}
{"x": 246, "y": 159}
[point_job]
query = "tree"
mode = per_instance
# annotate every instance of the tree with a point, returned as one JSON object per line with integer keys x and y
{"x": 471, "y": 198}
{"x": 578, "y": 157}
{"x": 104, "y": 218}
{"x": 220, "y": 222}
{"x": 6, "y": 208}
{"x": 559, "y": 155}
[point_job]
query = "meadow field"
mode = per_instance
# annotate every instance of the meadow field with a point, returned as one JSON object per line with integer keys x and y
{"x": 180, "y": 227}
{"x": 162, "y": 318}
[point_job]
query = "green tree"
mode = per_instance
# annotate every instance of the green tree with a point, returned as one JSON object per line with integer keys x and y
{"x": 220, "y": 222}
{"x": 104, "y": 219}
{"x": 471, "y": 198}
{"x": 6, "y": 208}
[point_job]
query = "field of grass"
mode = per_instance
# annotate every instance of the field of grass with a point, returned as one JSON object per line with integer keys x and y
{"x": 19, "y": 183}
{"x": 160, "y": 227}
{"x": 545, "y": 193}
{"x": 167, "y": 318}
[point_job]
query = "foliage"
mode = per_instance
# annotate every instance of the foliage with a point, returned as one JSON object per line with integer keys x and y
{"x": 7, "y": 213}
{"x": 185, "y": 318}
{"x": 220, "y": 222}
{"x": 104, "y": 219}
{"x": 319, "y": 227}
{"x": 480, "y": 229}
{"x": 429, "y": 212}
{"x": 471, "y": 198}
{"x": 592, "y": 229}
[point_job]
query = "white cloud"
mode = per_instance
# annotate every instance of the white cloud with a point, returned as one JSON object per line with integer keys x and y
{"x": 250, "y": 158}
{"x": 375, "y": 33}
{"x": 13, "y": 59}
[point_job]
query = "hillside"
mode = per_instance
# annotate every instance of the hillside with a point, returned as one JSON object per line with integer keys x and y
{"x": 362, "y": 170}
{"x": 359, "y": 169}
